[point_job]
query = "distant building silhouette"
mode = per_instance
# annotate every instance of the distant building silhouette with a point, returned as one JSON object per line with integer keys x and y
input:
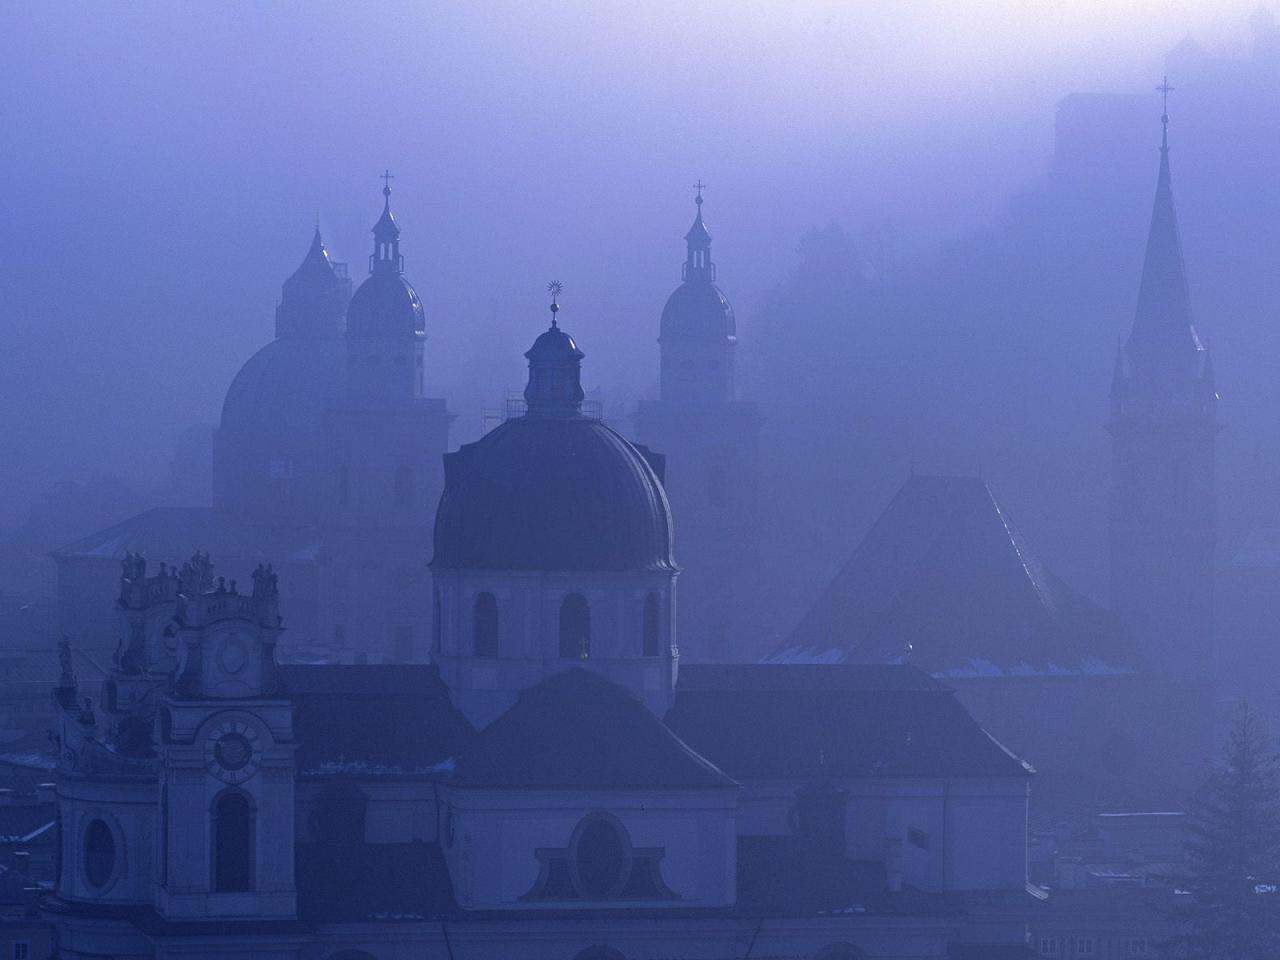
{"x": 711, "y": 439}
{"x": 383, "y": 444}
{"x": 326, "y": 463}
{"x": 1163, "y": 427}
{"x": 553, "y": 787}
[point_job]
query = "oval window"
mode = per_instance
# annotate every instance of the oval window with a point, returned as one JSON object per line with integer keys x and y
{"x": 99, "y": 853}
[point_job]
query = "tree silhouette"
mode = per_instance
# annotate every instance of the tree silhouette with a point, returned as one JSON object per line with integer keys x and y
{"x": 1233, "y": 855}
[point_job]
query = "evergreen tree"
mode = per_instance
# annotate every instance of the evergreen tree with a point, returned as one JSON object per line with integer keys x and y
{"x": 1233, "y": 855}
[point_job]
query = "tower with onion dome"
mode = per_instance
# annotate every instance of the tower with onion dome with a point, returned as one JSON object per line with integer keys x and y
{"x": 711, "y": 439}
{"x": 384, "y": 442}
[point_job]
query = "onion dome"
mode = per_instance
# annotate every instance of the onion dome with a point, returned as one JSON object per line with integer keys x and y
{"x": 698, "y": 309}
{"x": 386, "y": 304}
{"x": 554, "y": 489}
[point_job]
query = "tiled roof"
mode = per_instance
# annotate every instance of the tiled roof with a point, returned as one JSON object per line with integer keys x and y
{"x": 775, "y": 726}
{"x": 373, "y": 720}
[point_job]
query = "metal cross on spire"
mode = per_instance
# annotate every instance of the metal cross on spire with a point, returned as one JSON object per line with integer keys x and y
{"x": 1164, "y": 90}
{"x": 386, "y": 177}
{"x": 699, "y": 186}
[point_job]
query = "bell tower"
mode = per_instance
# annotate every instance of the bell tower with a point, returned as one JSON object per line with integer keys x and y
{"x": 711, "y": 439}
{"x": 1163, "y": 427}
{"x": 385, "y": 441}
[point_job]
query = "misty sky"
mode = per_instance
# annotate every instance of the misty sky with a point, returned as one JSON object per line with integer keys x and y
{"x": 163, "y": 163}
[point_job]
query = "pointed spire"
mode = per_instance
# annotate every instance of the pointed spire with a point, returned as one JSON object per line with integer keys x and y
{"x": 386, "y": 234}
{"x": 315, "y": 295}
{"x": 698, "y": 265}
{"x": 1163, "y": 342}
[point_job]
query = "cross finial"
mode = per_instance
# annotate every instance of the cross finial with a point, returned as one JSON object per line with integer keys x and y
{"x": 555, "y": 287}
{"x": 1164, "y": 90}
{"x": 699, "y": 186}
{"x": 386, "y": 177}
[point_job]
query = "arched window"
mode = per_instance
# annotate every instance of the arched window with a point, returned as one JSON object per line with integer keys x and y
{"x": 99, "y": 853}
{"x": 232, "y": 843}
{"x": 652, "y": 635}
{"x": 575, "y": 626}
{"x": 486, "y": 626}
{"x": 402, "y": 489}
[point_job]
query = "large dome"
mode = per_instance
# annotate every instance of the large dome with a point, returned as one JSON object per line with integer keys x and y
{"x": 698, "y": 310}
{"x": 386, "y": 304}
{"x": 285, "y": 386}
{"x": 553, "y": 493}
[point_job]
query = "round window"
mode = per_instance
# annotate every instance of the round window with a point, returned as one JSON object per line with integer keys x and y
{"x": 232, "y": 751}
{"x": 99, "y": 853}
{"x": 600, "y": 856}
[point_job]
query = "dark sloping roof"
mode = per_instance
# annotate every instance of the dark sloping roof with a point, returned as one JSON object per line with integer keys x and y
{"x": 172, "y": 534}
{"x": 373, "y": 720}
{"x": 944, "y": 578}
{"x": 776, "y": 726}
{"x": 577, "y": 730}
{"x": 353, "y": 882}
{"x": 553, "y": 493}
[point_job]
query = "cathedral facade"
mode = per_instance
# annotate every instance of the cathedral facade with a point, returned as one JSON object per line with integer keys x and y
{"x": 556, "y": 786}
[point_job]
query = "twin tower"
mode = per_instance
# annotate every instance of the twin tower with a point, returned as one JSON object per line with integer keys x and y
{"x": 329, "y": 428}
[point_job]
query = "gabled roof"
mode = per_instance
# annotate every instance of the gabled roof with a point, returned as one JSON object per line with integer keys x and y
{"x": 891, "y": 722}
{"x": 382, "y": 720}
{"x": 944, "y": 579}
{"x": 577, "y": 730}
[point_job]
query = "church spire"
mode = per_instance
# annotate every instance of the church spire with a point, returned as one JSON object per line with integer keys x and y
{"x": 386, "y": 235}
{"x": 1163, "y": 343}
{"x": 698, "y": 265}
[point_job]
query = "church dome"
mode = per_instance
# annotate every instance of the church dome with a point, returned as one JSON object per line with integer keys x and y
{"x": 553, "y": 490}
{"x": 287, "y": 385}
{"x": 385, "y": 304}
{"x": 553, "y": 493}
{"x": 698, "y": 310}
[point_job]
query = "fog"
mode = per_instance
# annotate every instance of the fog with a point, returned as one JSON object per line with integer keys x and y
{"x": 165, "y": 164}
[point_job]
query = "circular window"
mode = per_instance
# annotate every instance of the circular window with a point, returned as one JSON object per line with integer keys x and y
{"x": 600, "y": 859}
{"x": 99, "y": 853}
{"x": 233, "y": 751}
